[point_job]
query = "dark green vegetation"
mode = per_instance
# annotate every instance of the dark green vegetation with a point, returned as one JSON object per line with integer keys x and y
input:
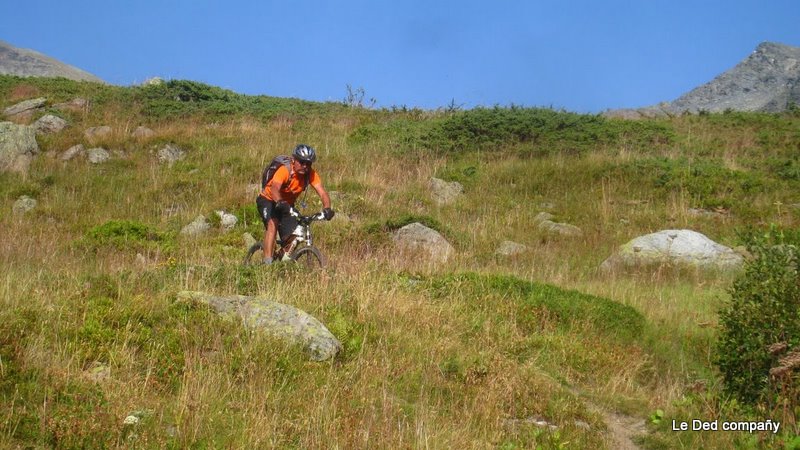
{"x": 760, "y": 327}
{"x": 564, "y": 308}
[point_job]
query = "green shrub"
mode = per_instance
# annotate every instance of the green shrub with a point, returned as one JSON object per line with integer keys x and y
{"x": 566, "y": 307}
{"x": 122, "y": 234}
{"x": 764, "y": 309}
{"x": 708, "y": 182}
{"x": 539, "y": 131}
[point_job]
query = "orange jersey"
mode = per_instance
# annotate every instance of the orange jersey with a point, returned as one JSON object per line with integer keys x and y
{"x": 291, "y": 184}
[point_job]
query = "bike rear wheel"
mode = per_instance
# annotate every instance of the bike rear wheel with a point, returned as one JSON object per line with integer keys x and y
{"x": 251, "y": 251}
{"x": 309, "y": 257}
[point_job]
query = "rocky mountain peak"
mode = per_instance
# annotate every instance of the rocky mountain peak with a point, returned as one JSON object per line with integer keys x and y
{"x": 28, "y": 63}
{"x": 767, "y": 80}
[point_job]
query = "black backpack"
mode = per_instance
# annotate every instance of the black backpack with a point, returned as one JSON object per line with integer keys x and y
{"x": 277, "y": 162}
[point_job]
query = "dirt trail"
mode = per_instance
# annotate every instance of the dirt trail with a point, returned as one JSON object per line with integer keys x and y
{"x": 622, "y": 428}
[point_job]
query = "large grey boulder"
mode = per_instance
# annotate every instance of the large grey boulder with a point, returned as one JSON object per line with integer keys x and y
{"x": 26, "y": 107}
{"x": 419, "y": 239}
{"x": 685, "y": 248}
{"x": 277, "y": 319}
{"x": 49, "y": 124}
{"x": 444, "y": 193}
{"x": 17, "y": 147}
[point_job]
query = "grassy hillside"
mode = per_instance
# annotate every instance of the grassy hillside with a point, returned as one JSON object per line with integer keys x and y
{"x": 469, "y": 354}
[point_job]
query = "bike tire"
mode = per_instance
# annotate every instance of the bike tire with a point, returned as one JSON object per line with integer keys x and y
{"x": 253, "y": 248}
{"x": 309, "y": 257}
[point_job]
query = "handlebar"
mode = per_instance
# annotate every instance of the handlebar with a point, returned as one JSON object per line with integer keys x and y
{"x": 305, "y": 220}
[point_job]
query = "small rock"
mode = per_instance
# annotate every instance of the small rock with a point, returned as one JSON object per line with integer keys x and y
{"x": 196, "y": 228}
{"x": 248, "y": 240}
{"x": 76, "y": 104}
{"x": 227, "y": 220}
{"x": 26, "y": 106}
{"x": 561, "y": 229}
{"x": 24, "y": 204}
{"x": 130, "y": 420}
{"x": 535, "y": 421}
{"x": 699, "y": 212}
{"x": 170, "y": 154}
{"x": 98, "y": 155}
{"x": 444, "y": 193}
{"x": 342, "y": 217}
{"x": 95, "y": 133}
{"x": 143, "y": 133}
{"x": 542, "y": 216}
{"x": 154, "y": 81}
{"x": 509, "y": 248}
{"x": 583, "y": 425}
{"x": 72, "y": 152}
{"x": 49, "y": 124}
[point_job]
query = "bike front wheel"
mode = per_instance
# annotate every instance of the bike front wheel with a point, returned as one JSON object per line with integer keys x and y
{"x": 309, "y": 257}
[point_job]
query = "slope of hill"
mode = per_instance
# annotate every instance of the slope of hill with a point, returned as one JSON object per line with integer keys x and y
{"x": 534, "y": 350}
{"x": 768, "y": 80}
{"x": 28, "y": 63}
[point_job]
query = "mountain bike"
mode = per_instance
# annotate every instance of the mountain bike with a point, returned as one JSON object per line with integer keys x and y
{"x": 299, "y": 246}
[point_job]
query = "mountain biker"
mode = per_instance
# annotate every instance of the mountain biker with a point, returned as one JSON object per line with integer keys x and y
{"x": 279, "y": 195}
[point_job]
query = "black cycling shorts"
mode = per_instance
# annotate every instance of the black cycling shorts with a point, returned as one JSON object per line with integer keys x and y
{"x": 266, "y": 209}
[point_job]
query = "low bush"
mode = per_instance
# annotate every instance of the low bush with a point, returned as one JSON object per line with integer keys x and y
{"x": 760, "y": 326}
{"x": 565, "y": 307}
{"x": 540, "y": 131}
{"x": 123, "y": 234}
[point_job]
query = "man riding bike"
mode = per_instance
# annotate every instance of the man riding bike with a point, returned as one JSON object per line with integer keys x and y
{"x": 279, "y": 195}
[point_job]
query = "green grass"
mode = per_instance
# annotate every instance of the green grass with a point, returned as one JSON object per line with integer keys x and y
{"x": 462, "y": 354}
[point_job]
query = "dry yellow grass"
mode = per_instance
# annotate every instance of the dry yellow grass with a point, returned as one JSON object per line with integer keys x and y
{"x": 418, "y": 371}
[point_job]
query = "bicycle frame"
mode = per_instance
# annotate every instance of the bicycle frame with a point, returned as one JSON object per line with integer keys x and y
{"x": 302, "y": 233}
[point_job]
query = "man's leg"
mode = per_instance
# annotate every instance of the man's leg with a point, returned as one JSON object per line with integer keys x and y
{"x": 266, "y": 211}
{"x": 269, "y": 239}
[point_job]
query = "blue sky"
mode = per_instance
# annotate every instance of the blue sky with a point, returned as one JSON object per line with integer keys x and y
{"x": 582, "y": 55}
